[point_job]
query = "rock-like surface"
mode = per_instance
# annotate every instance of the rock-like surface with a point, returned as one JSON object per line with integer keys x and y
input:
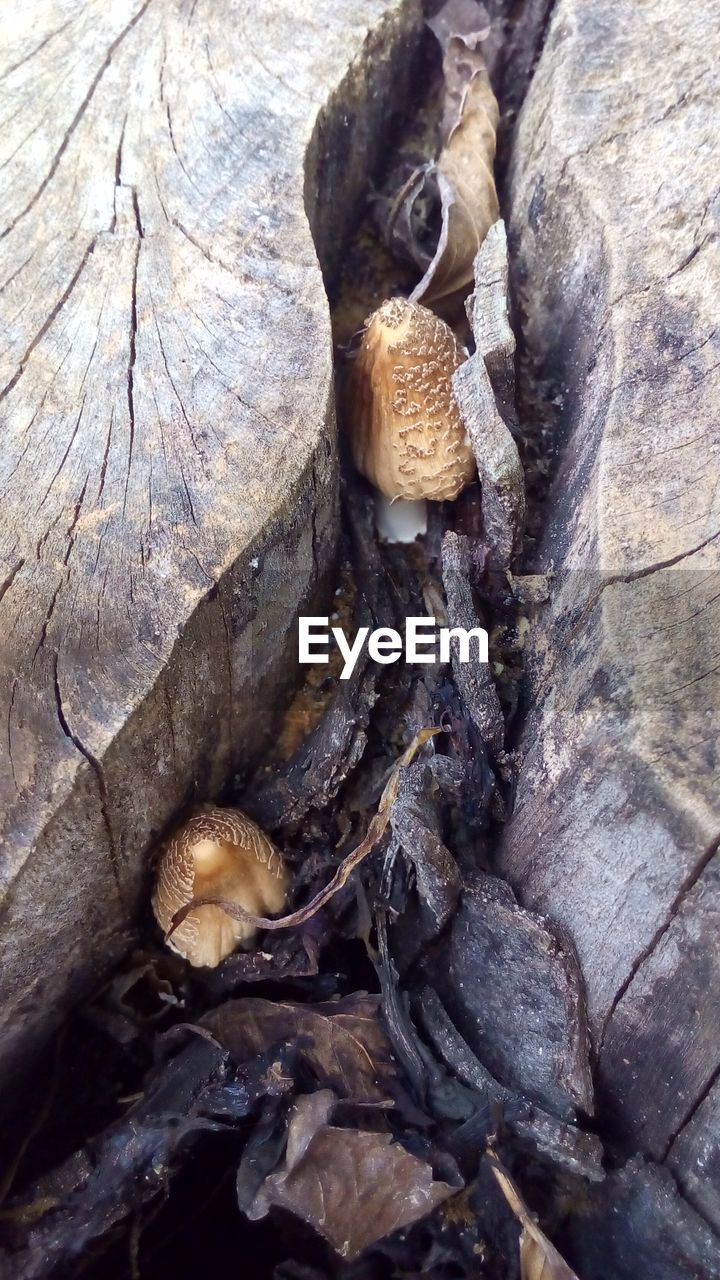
{"x": 636, "y": 1226}
{"x": 513, "y": 990}
{"x": 614, "y": 221}
{"x": 695, "y": 1158}
{"x": 168, "y": 467}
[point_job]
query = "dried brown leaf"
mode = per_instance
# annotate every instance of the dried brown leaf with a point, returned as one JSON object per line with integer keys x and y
{"x": 465, "y": 177}
{"x": 343, "y": 1042}
{"x": 463, "y": 59}
{"x": 468, "y": 18}
{"x": 399, "y": 219}
{"x": 539, "y": 1259}
{"x": 354, "y": 1187}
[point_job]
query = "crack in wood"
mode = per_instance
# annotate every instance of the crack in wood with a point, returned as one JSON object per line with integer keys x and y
{"x": 687, "y": 885}
{"x": 98, "y": 771}
{"x": 689, "y": 1117}
{"x": 6, "y": 585}
{"x": 51, "y": 318}
{"x": 64, "y": 458}
{"x": 76, "y": 120}
{"x": 132, "y": 350}
{"x": 14, "y": 66}
{"x": 178, "y": 397}
{"x": 48, "y": 616}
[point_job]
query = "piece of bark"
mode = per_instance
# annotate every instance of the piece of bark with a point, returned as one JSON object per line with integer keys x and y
{"x": 484, "y": 388}
{"x": 488, "y": 313}
{"x": 514, "y": 992}
{"x": 168, "y": 475}
{"x": 559, "y": 1143}
{"x": 311, "y": 778}
{"x": 474, "y": 679}
{"x": 614, "y": 221}
{"x": 415, "y": 824}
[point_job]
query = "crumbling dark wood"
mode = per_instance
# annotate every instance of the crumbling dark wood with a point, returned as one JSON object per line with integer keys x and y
{"x": 614, "y": 221}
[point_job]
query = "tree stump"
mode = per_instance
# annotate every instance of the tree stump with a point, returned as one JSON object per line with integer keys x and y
{"x": 614, "y": 225}
{"x": 168, "y": 471}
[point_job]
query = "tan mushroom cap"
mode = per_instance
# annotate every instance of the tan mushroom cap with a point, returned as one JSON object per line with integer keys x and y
{"x": 406, "y": 432}
{"x": 220, "y": 853}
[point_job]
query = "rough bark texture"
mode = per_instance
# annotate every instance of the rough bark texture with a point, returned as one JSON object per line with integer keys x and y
{"x": 168, "y": 469}
{"x": 514, "y": 993}
{"x": 614, "y": 220}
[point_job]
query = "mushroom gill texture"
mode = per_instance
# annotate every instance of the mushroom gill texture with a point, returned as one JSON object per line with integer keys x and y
{"x": 220, "y": 853}
{"x": 406, "y": 432}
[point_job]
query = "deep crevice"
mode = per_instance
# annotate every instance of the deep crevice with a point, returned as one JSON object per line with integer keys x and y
{"x": 132, "y": 354}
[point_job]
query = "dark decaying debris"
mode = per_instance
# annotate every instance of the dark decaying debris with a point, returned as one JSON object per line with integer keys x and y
{"x": 330, "y": 1093}
{"x": 476, "y": 1030}
{"x": 373, "y": 1085}
{"x": 637, "y": 1226}
{"x": 514, "y": 991}
{"x": 196, "y": 1090}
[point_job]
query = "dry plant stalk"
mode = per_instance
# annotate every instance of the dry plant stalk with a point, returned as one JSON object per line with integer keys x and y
{"x": 374, "y": 833}
{"x": 539, "y": 1259}
{"x": 406, "y": 433}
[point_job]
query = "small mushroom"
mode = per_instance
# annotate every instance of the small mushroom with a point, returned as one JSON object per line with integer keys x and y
{"x": 406, "y": 432}
{"x": 220, "y": 853}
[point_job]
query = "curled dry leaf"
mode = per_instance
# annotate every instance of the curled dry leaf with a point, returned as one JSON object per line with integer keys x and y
{"x": 343, "y": 1043}
{"x": 465, "y": 178}
{"x": 354, "y": 1187}
{"x": 539, "y": 1259}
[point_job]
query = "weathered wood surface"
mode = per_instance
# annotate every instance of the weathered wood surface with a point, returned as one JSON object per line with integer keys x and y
{"x": 614, "y": 222}
{"x": 167, "y": 469}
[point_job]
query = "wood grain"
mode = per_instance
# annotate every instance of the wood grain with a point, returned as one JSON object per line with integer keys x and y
{"x": 168, "y": 469}
{"x": 614, "y": 225}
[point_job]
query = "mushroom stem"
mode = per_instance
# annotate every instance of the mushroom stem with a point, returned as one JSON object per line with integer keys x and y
{"x": 403, "y": 520}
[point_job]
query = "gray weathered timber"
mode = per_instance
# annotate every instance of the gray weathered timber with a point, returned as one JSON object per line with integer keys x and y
{"x": 168, "y": 466}
{"x": 615, "y": 206}
{"x": 694, "y": 1157}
